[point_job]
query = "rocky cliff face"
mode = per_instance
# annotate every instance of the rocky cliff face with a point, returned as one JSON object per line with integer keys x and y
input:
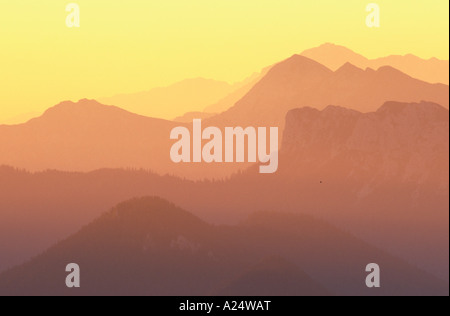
{"x": 383, "y": 175}
{"x": 401, "y": 142}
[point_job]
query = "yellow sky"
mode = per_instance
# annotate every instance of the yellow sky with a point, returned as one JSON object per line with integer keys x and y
{"x": 133, "y": 45}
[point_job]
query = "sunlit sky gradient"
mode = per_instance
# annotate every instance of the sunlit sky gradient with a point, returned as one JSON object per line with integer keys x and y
{"x": 134, "y": 45}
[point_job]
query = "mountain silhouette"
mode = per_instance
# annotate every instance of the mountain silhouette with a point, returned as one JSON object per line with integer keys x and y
{"x": 190, "y": 116}
{"x": 87, "y": 135}
{"x": 175, "y": 100}
{"x": 383, "y": 176}
{"x": 400, "y": 141}
{"x": 334, "y": 56}
{"x": 384, "y": 169}
{"x": 19, "y": 119}
{"x": 243, "y": 88}
{"x": 148, "y": 246}
{"x": 300, "y": 81}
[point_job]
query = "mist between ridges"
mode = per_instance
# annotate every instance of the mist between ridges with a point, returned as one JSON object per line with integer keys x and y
{"x": 214, "y": 151}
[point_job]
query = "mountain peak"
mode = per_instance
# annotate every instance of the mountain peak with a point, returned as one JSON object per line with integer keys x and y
{"x": 71, "y": 105}
{"x": 297, "y": 65}
{"x": 349, "y": 69}
{"x": 302, "y": 60}
{"x": 334, "y": 56}
{"x": 330, "y": 47}
{"x": 84, "y": 107}
{"x": 154, "y": 210}
{"x": 423, "y": 108}
{"x": 328, "y": 44}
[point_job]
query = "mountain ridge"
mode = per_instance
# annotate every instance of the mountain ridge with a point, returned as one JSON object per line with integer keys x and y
{"x": 359, "y": 170}
{"x": 432, "y": 70}
{"x": 300, "y": 81}
{"x": 148, "y": 246}
{"x": 174, "y": 100}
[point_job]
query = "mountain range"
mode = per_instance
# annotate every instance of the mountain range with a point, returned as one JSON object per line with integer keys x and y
{"x": 213, "y": 97}
{"x": 363, "y": 177}
{"x": 172, "y": 101}
{"x": 86, "y": 135}
{"x": 334, "y": 56}
{"x": 368, "y": 173}
{"x": 148, "y": 246}
{"x": 206, "y": 97}
{"x": 374, "y": 173}
{"x": 300, "y": 82}
{"x": 191, "y": 95}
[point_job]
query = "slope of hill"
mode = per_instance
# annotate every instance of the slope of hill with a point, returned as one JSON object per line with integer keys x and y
{"x": 190, "y": 116}
{"x": 387, "y": 169}
{"x": 404, "y": 142}
{"x": 299, "y": 81}
{"x": 19, "y": 119}
{"x": 383, "y": 176}
{"x": 186, "y": 96}
{"x": 148, "y": 246}
{"x": 87, "y": 135}
{"x": 274, "y": 276}
{"x": 242, "y": 89}
{"x": 334, "y": 56}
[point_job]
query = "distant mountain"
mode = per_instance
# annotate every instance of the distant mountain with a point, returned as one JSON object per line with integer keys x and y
{"x": 190, "y": 116}
{"x": 404, "y": 142}
{"x": 383, "y": 176}
{"x": 334, "y": 56}
{"x": 242, "y": 89}
{"x": 19, "y": 119}
{"x": 168, "y": 102}
{"x": 87, "y": 135}
{"x": 300, "y": 81}
{"x": 386, "y": 169}
{"x": 148, "y": 246}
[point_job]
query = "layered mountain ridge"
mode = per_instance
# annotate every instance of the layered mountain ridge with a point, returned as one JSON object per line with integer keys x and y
{"x": 301, "y": 82}
{"x": 148, "y": 246}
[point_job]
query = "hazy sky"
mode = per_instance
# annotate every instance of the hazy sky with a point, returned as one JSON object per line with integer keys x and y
{"x": 134, "y": 45}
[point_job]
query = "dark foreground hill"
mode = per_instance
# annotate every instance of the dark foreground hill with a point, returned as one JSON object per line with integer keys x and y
{"x": 148, "y": 246}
